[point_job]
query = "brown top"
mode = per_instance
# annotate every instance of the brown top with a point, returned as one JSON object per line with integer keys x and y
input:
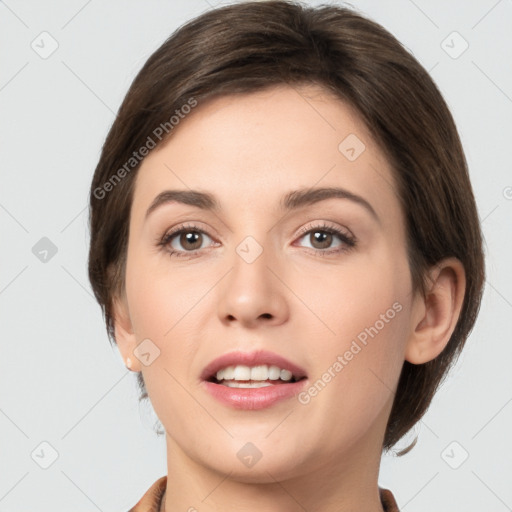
{"x": 152, "y": 500}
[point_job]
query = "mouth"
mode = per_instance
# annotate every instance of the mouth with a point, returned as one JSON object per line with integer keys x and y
{"x": 258, "y": 368}
{"x": 254, "y": 380}
{"x": 262, "y": 381}
{"x": 258, "y": 376}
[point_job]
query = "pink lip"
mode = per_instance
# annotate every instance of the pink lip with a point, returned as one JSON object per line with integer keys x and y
{"x": 252, "y": 398}
{"x": 255, "y": 398}
{"x": 258, "y": 357}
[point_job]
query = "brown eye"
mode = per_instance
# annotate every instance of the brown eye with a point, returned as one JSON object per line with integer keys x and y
{"x": 185, "y": 241}
{"x": 320, "y": 239}
{"x": 191, "y": 240}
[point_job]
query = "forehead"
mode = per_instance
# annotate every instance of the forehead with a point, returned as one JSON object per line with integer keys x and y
{"x": 261, "y": 145}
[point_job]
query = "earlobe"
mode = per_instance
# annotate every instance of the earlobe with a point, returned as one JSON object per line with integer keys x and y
{"x": 124, "y": 335}
{"x": 434, "y": 317}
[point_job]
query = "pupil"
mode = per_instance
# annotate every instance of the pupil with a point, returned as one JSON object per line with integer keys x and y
{"x": 325, "y": 236}
{"x": 189, "y": 238}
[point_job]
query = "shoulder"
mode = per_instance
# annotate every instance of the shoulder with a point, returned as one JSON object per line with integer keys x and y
{"x": 388, "y": 500}
{"x": 152, "y": 498}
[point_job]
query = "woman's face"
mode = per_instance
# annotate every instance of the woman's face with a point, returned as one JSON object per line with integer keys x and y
{"x": 263, "y": 272}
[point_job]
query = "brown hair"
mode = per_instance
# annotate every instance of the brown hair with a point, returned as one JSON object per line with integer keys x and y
{"x": 248, "y": 46}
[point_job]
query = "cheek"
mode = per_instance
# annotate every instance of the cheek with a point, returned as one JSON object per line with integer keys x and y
{"x": 160, "y": 296}
{"x": 350, "y": 298}
{"x": 364, "y": 309}
{"x": 366, "y": 342}
{"x": 356, "y": 370}
{"x": 164, "y": 308}
{"x": 171, "y": 308}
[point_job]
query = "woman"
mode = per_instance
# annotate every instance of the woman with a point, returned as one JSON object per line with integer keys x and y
{"x": 286, "y": 248}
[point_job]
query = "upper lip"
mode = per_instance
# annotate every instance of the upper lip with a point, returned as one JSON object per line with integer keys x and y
{"x": 258, "y": 357}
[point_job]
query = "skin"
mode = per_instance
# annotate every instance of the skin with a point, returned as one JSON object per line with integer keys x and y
{"x": 249, "y": 151}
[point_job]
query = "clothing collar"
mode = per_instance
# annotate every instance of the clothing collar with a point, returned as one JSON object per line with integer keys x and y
{"x": 153, "y": 499}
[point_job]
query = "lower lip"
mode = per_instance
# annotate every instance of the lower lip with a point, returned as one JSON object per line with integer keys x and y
{"x": 253, "y": 398}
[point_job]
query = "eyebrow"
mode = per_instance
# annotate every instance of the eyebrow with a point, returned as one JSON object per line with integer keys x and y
{"x": 291, "y": 201}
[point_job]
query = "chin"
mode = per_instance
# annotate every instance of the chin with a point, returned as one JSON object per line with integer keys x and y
{"x": 254, "y": 462}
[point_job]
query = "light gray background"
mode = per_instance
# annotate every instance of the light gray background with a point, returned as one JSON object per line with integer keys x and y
{"x": 62, "y": 383}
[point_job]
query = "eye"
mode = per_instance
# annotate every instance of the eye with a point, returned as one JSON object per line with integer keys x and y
{"x": 322, "y": 236}
{"x": 190, "y": 237}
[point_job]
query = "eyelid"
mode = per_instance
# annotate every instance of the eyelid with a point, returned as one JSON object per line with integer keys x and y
{"x": 195, "y": 226}
{"x": 349, "y": 241}
{"x": 324, "y": 226}
{"x": 186, "y": 226}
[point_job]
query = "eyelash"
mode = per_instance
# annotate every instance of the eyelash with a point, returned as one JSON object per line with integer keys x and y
{"x": 349, "y": 240}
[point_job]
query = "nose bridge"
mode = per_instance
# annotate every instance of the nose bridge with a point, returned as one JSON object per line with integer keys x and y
{"x": 251, "y": 289}
{"x": 253, "y": 243}
{"x": 251, "y": 261}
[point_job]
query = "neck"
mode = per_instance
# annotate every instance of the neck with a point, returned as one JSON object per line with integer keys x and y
{"x": 335, "y": 482}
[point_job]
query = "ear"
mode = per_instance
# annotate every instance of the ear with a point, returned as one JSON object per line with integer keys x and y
{"x": 123, "y": 333}
{"x": 435, "y": 316}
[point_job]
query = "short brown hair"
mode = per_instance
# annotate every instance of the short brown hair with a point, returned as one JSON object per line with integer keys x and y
{"x": 249, "y": 46}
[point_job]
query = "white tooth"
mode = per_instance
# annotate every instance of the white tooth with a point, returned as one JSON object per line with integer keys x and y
{"x": 229, "y": 372}
{"x": 274, "y": 372}
{"x": 242, "y": 373}
{"x": 234, "y": 384}
{"x": 256, "y": 373}
{"x": 259, "y": 372}
{"x": 286, "y": 375}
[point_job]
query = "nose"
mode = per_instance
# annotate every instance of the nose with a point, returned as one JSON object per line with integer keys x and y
{"x": 253, "y": 292}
